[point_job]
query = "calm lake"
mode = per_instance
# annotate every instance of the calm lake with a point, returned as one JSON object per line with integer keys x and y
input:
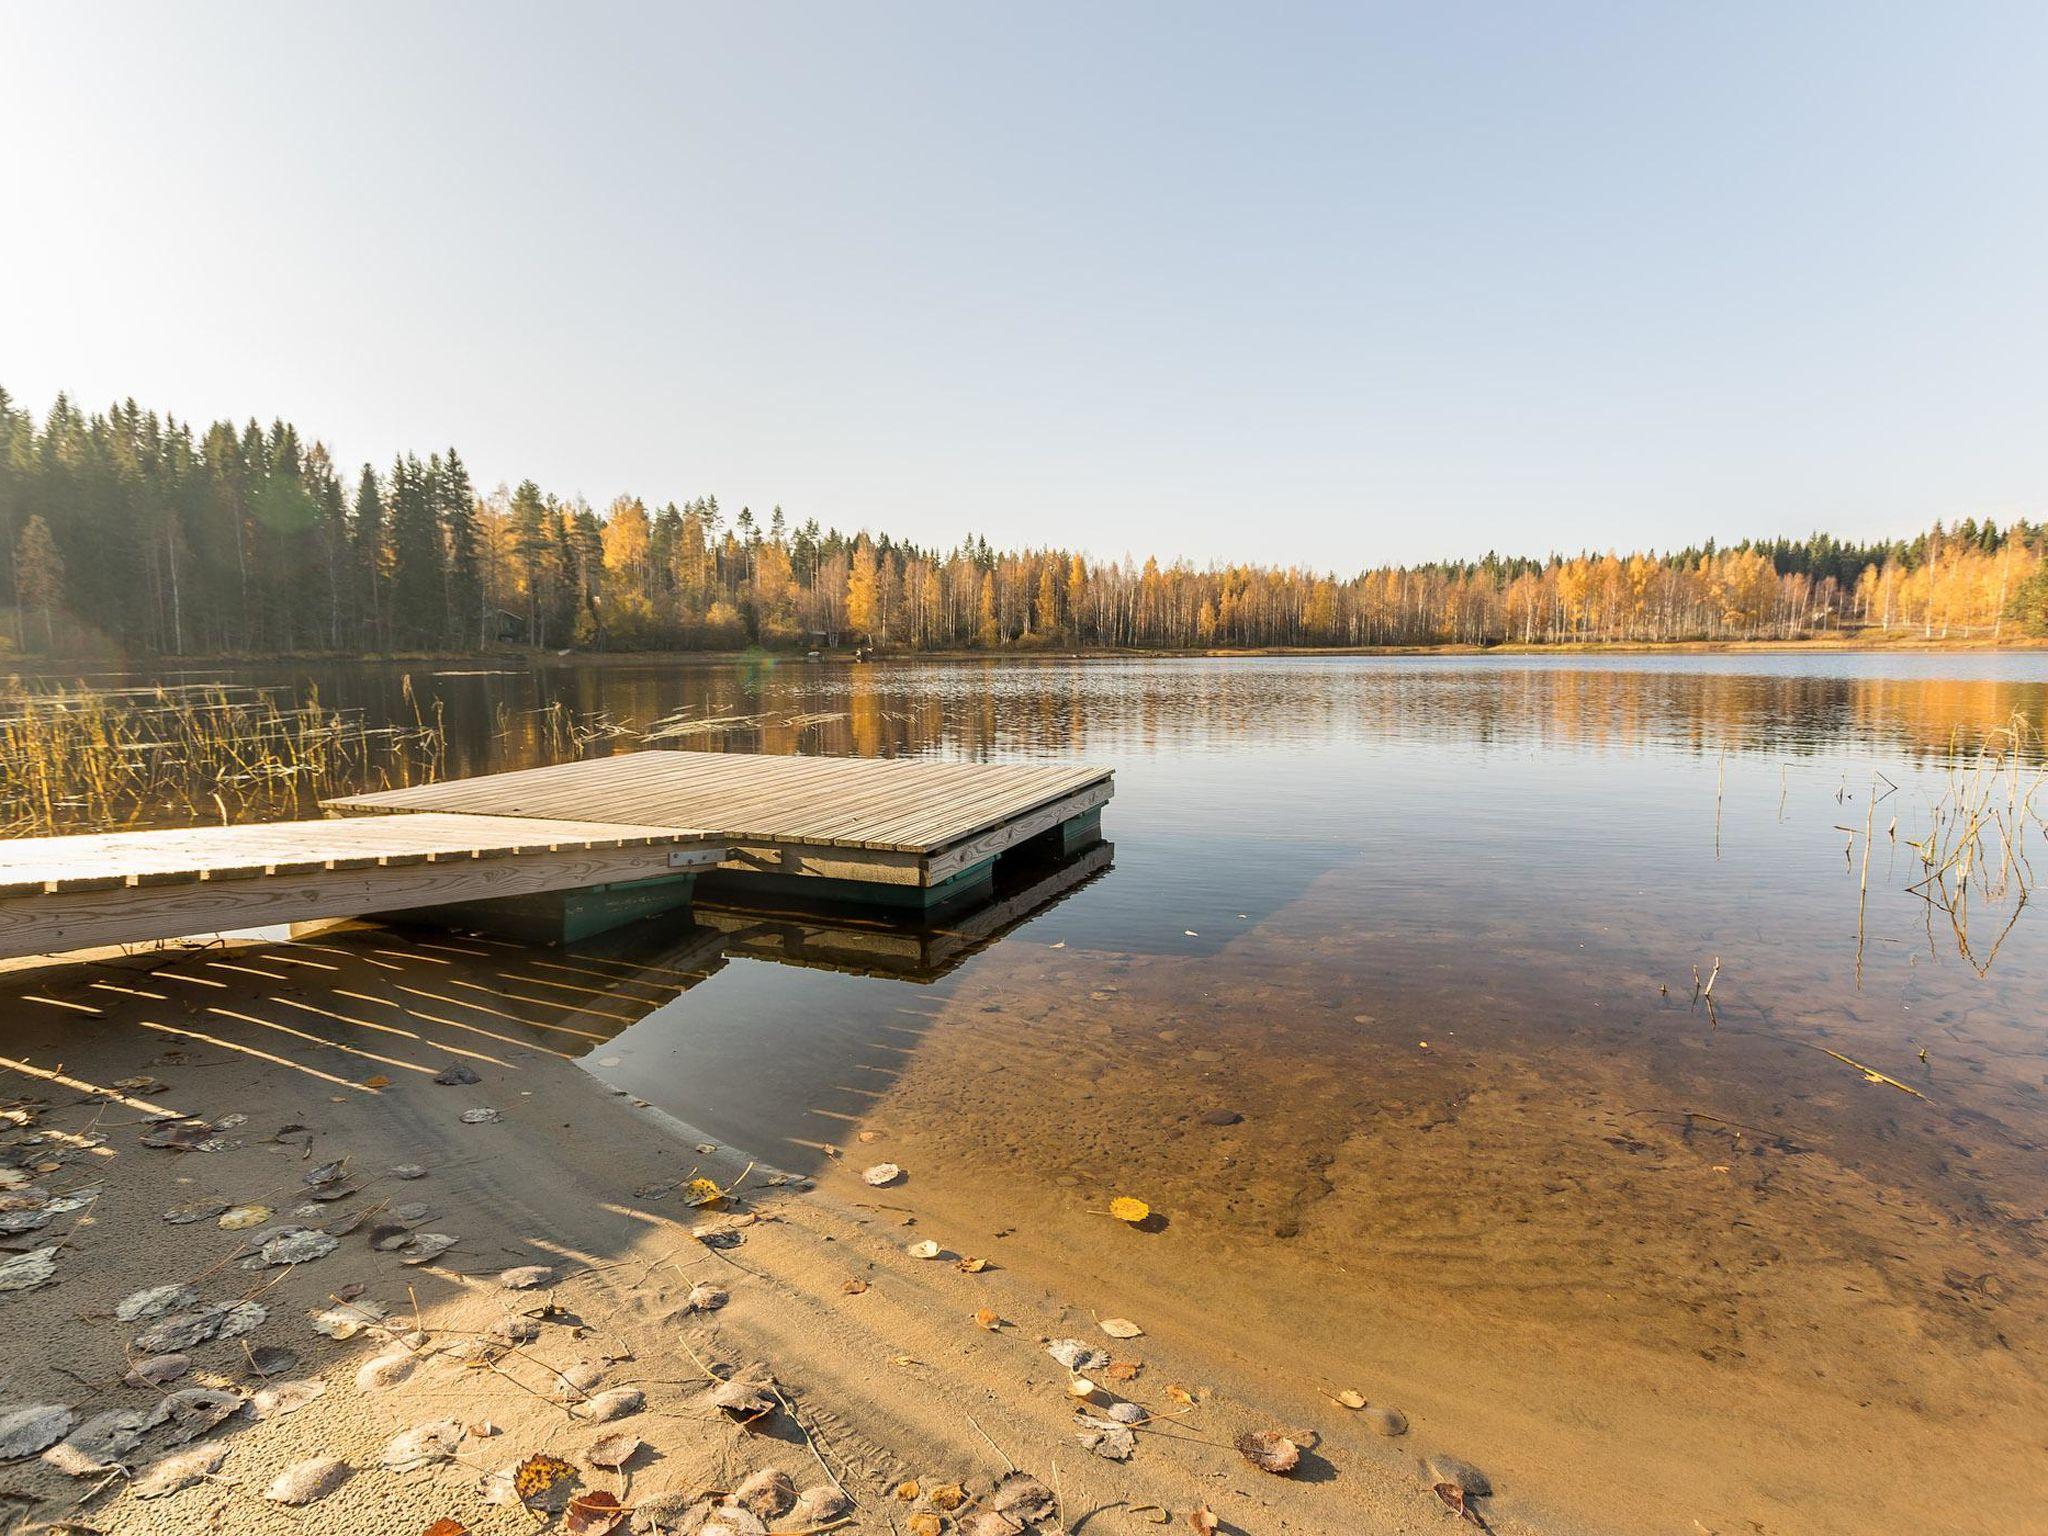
{"x": 1389, "y": 997}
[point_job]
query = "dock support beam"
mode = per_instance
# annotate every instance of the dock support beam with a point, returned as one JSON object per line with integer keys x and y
{"x": 555, "y": 917}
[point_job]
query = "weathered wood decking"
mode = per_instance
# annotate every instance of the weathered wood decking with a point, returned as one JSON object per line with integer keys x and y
{"x": 561, "y": 852}
{"x": 909, "y": 823}
{"x": 61, "y": 893}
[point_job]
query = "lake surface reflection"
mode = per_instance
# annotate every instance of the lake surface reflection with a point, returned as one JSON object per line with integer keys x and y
{"x": 1429, "y": 930}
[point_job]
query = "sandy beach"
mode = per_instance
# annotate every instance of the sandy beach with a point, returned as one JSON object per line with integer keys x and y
{"x": 583, "y": 1304}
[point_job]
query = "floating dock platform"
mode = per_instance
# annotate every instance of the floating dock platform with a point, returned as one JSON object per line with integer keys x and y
{"x": 558, "y": 854}
{"x": 903, "y": 833}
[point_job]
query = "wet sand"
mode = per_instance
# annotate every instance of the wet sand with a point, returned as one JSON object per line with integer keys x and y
{"x": 891, "y": 1383}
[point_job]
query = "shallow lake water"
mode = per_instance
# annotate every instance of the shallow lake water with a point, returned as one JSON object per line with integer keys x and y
{"x": 1387, "y": 994}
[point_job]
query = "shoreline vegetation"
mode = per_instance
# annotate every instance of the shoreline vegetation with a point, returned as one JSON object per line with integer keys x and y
{"x": 1842, "y": 641}
{"x": 135, "y": 534}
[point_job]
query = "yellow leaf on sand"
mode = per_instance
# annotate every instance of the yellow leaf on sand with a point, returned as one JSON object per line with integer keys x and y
{"x": 703, "y": 1192}
{"x": 989, "y": 1318}
{"x": 1124, "y": 1208}
{"x": 1120, "y": 1328}
{"x": 971, "y": 1266}
{"x": 1350, "y": 1399}
{"x": 909, "y": 1491}
{"x": 925, "y": 1523}
{"x": 947, "y": 1496}
{"x": 1180, "y": 1395}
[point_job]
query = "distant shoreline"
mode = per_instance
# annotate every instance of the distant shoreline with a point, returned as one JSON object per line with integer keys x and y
{"x": 1860, "y": 643}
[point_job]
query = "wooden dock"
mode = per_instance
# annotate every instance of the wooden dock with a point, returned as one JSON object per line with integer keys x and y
{"x": 64, "y": 893}
{"x": 564, "y": 852}
{"x": 886, "y": 832}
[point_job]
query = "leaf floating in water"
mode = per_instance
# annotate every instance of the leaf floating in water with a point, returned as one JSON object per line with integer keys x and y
{"x": 1120, "y": 1328}
{"x": 1127, "y": 1209}
{"x": 882, "y": 1174}
{"x": 924, "y": 1250}
{"x": 304, "y": 1482}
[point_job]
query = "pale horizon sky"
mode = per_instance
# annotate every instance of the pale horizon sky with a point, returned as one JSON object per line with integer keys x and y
{"x": 1329, "y": 285}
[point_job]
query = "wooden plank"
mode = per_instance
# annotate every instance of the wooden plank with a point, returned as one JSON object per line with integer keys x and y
{"x": 47, "y": 924}
{"x": 188, "y": 855}
{"x": 987, "y": 844}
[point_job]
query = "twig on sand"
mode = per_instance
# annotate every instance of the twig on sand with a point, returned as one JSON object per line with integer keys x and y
{"x": 991, "y": 1443}
{"x": 811, "y": 1443}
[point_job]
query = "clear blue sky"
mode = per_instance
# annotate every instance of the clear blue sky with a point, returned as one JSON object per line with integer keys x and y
{"x": 1331, "y": 284}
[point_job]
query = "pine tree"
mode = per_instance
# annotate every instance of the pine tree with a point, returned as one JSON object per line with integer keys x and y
{"x": 370, "y": 563}
{"x": 418, "y": 596}
{"x": 463, "y": 537}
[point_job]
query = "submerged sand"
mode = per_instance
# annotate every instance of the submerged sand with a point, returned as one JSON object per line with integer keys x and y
{"x": 888, "y": 1386}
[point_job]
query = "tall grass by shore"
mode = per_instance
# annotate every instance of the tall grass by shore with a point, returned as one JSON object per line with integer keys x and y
{"x": 77, "y": 758}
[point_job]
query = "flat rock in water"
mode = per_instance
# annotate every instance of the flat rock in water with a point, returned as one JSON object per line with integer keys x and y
{"x": 1461, "y": 1474}
{"x": 1386, "y": 1421}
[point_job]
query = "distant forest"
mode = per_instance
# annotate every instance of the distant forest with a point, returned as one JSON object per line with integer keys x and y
{"x": 126, "y": 531}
